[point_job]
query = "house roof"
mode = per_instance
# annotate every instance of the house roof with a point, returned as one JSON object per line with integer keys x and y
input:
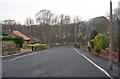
{"x": 20, "y": 34}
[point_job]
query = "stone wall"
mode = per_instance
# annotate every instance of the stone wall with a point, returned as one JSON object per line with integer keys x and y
{"x": 26, "y": 49}
{"x": 9, "y": 47}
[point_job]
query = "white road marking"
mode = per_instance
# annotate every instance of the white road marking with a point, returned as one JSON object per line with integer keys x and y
{"x": 11, "y": 55}
{"x": 97, "y": 66}
{"x": 22, "y": 56}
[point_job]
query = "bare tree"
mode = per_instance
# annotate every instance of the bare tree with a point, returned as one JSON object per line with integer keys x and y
{"x": 67, "y": 20}
{"x": 64, "y": 21}
{"x": 10, "y": 23}
{"x": 117, "y": 12}
{"x": 30, "y": 22}
{"x": 76, "y": 21}
{"x": 116, "y": 28}
{"x": 44, "y": 18}
{"x": 55, "y": 20}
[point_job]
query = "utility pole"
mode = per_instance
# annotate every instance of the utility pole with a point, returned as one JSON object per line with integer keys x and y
{"x": 118, "y": 41}
{"x": 118, "y": 18}
{"x": 111, "y": 39}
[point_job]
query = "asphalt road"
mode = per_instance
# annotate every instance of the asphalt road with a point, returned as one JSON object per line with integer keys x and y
{"x": 54, "y": 62}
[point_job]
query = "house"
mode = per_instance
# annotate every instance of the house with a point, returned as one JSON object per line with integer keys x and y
{"x": 26, "y": 39}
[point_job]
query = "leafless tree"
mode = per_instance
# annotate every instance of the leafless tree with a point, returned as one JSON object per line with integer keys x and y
{"x": 30, "y": 22}
{"x": 67, "y": 20}
{"x": 76, "y": 22}
{"x": 44, "y": 16}
{"x": 10, "y": 23}
{"x": 55, "y": 20}
{"x": 76, "y": 19}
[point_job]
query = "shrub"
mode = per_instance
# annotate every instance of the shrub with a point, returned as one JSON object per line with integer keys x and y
{"x": 77, "y": 45}
{"x": 98, "y": 47}
{"x": 18, "y": 40}
{"x": 100, "y": 42}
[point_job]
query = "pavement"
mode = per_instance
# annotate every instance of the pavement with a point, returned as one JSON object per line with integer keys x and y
{"x": 60, "y": 61}
{"x": 102, "y": 62}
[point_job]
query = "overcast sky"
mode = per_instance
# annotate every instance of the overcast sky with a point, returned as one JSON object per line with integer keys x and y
{"x": 19, "y": 10}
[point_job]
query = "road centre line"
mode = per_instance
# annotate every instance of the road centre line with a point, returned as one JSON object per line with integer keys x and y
{"x": 97, "y": 66}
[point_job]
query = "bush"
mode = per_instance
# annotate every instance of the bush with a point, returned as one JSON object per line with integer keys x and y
{"x": 18, "y": 40}
{"x": 100, "y": 42}
{"x": 77, "y": 45}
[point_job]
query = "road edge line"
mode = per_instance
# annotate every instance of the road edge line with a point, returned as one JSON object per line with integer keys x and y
{"x": 97, "y": 66}
{"x": 11, "y": 55}
{"x": 24, "y": 56}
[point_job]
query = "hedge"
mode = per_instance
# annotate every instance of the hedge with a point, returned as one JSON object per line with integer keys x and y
{"x": 18, "y": 40}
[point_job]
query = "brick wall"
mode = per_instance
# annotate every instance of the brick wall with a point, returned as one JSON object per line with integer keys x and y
{"x": 105, "y": 54}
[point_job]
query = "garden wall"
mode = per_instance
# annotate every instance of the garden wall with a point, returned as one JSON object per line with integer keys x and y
{"x": 105, "y": 54}
{"x": 9, "y": 47}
